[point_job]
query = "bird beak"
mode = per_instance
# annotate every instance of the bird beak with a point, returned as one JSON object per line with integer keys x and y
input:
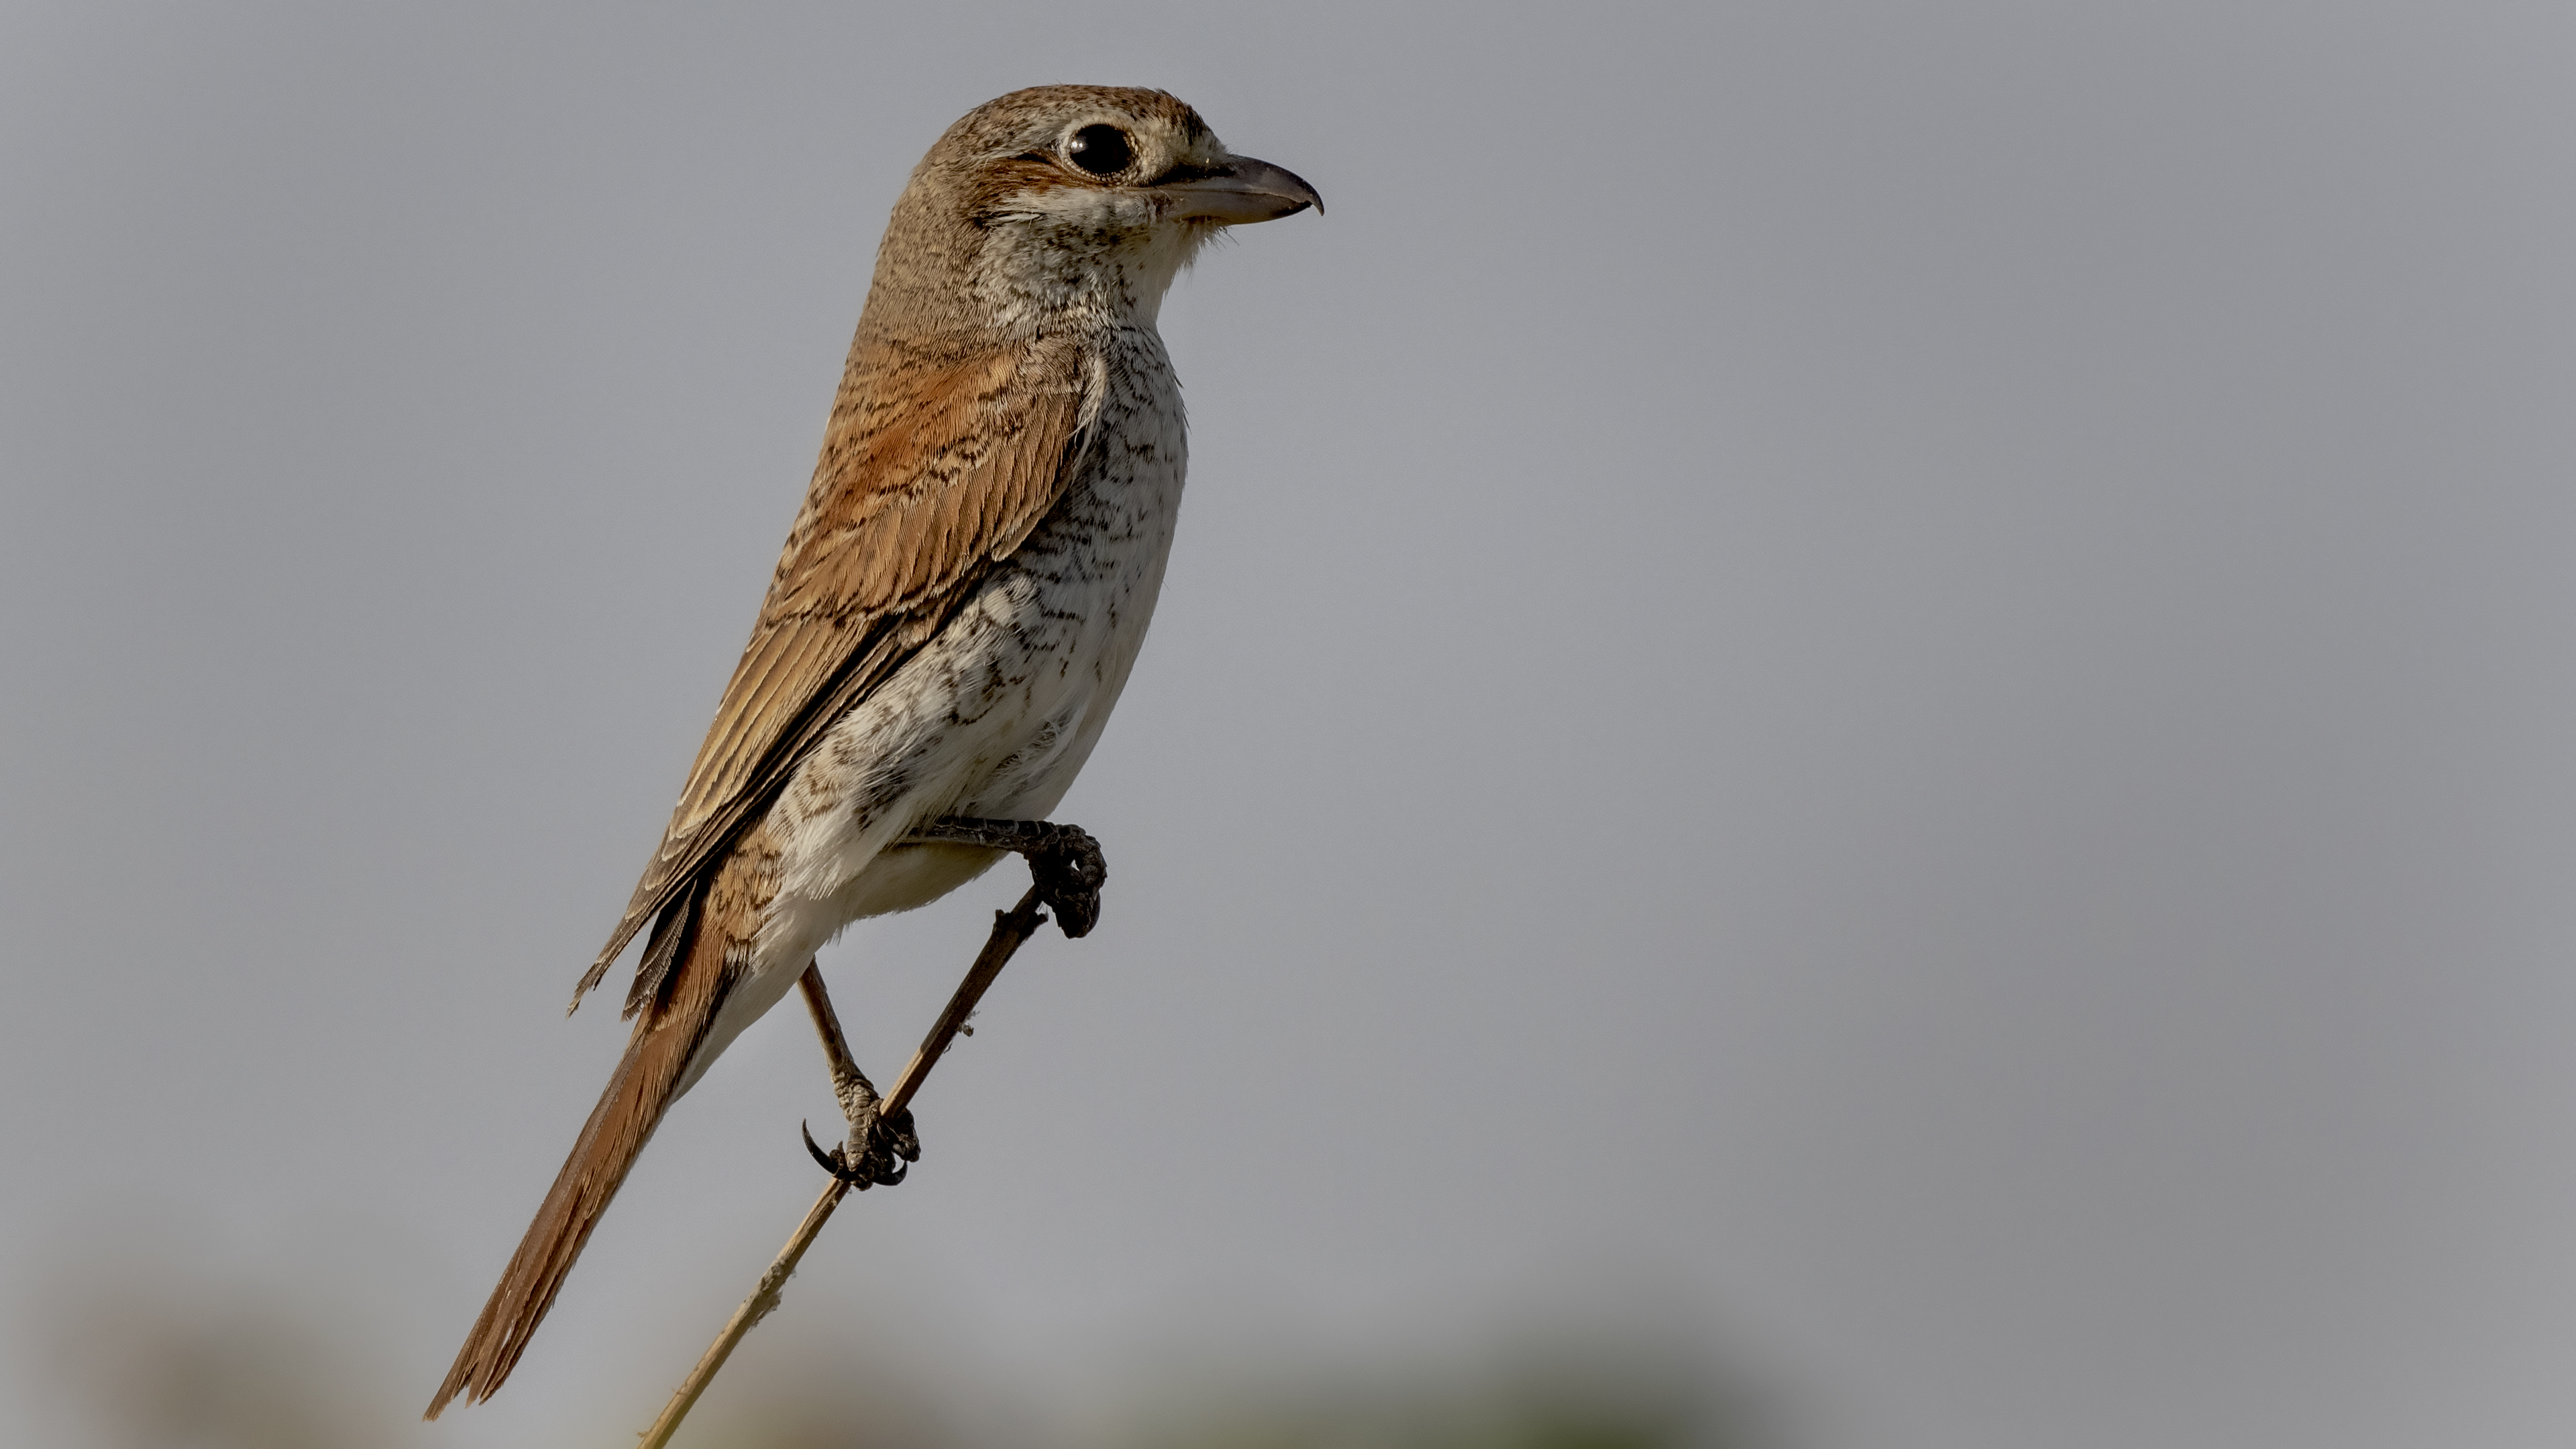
{"x": 1240, "y": 191}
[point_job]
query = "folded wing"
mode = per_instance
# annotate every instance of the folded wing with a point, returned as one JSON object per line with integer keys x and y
{"x": 940, "y": 458}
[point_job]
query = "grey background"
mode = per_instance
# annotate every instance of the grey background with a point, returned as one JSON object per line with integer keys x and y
{"x": 1881, "y": 690}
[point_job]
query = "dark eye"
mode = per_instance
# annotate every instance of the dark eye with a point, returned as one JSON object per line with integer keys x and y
{"x": 1100, "y": 150}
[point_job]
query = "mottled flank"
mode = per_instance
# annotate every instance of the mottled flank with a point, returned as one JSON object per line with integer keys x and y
{"x": 958, "y": 605}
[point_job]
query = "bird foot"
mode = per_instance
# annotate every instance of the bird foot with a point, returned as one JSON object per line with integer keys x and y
{"x": 1068, "y": 872}
{"x": 879, "y": 1149}
{"x": 1064, "y": 861}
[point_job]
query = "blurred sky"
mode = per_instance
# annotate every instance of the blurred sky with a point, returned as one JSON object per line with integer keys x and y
{"x": 1889, "y": 677}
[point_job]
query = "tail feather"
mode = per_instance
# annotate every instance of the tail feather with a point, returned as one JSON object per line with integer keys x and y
{"x": 667, "y": 1035}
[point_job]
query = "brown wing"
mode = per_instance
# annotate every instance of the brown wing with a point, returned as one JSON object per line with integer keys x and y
{"x": 939, "y": 459}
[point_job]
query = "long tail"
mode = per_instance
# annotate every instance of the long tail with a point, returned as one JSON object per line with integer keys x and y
{"x": 668, "y": 1032}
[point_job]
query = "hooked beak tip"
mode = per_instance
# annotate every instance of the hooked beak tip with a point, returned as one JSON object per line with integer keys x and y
{"x": 1249, "y": 191}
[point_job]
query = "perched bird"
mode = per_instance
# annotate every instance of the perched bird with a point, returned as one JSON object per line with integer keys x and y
{"x": 958, "y": 605}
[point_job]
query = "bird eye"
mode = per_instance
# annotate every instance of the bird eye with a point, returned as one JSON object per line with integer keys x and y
{"x": 1100, "y": 150}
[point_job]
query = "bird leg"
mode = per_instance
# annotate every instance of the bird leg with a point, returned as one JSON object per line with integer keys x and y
{"x": 880, "y": 1148}
{"x": 1066, "y": 872}
{"x": 1064, "y": 861}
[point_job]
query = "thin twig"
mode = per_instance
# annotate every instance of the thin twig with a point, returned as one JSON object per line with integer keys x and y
{"x": 1010, "y": 928}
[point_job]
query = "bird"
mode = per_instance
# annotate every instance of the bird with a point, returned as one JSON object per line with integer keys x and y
{"x": 959, "y": 603}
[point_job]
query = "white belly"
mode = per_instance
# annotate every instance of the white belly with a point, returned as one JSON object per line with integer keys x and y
{"x": 993, "y": 717}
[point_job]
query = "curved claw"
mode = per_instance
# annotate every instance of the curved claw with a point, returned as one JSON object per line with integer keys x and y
{"x": 828, "y": 1161}
{"x": 900, "y": 1139}
{"x": 858, "y": 1177}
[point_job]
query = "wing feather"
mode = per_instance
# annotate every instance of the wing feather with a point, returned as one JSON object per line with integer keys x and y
{"x": 940, "y": 458}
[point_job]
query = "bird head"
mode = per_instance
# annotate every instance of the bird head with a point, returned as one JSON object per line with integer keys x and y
{"x": 1061, "y": 201}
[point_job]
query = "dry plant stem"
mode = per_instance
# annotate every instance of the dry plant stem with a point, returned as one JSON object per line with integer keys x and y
{"x": 1010, "y": 928}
